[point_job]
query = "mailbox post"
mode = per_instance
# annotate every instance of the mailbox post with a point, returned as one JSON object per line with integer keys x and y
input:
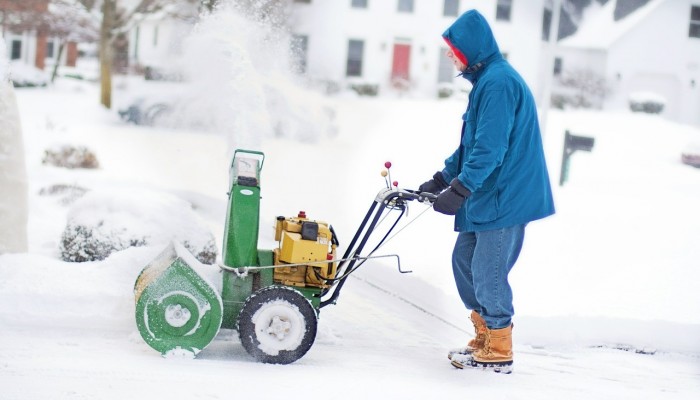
{"x": 571, "y": 144}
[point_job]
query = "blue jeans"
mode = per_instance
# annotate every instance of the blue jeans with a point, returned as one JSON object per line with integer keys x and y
{"x": 481, "y": 262}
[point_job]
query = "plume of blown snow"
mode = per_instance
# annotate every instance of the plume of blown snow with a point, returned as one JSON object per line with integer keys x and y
{"x": 239, "y": 65}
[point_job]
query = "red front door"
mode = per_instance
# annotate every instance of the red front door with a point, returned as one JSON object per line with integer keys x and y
{"x": 402, "y": 61}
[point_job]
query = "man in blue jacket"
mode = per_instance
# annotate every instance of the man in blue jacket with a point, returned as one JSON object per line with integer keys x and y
{"x": 498, "y": 182}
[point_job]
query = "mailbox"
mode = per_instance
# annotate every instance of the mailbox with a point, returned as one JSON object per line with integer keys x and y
{"x": 571, "y": 144}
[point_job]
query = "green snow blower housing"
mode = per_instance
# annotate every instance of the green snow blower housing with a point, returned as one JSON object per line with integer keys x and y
{"x": 271, "y": 297}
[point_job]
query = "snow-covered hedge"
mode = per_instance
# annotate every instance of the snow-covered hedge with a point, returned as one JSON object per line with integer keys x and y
{"x": 67, "y": 156}
{"x": 101, "y": 223}
{"x": 23, "y": 75}
{"x": 65, "y": 193}
{"x": 647, "y": 102}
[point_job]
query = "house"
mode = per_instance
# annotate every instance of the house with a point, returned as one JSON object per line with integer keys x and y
{"x": 26, "y": 42}
{"x": 375, "y": 46}
{"x": 155, "y": 44}
{"x": 655, "y": 49}
{"x": 391, "y": 46}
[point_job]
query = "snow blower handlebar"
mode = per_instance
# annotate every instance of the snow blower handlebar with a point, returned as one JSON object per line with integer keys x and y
{"x": 386, "y": 199}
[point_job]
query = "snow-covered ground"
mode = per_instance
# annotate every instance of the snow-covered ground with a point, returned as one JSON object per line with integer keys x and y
{"x": 613, "y": 275}
{"x": 606, "y": 297}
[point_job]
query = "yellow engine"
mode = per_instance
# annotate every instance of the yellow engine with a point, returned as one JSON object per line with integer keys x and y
{"x": 303, "y": 241}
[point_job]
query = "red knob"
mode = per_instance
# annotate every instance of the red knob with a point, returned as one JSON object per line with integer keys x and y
{"x": 387, "y": 164}
{"x": 396, "y": 183}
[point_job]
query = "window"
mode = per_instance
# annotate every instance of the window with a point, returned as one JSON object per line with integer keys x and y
{"x": 137, "y": 33}
{"x": 558, "y": 64}
{"x": 503, "y": 9}
{"x": 359, "y": 4}
{"x": 694, "y": 22}
{"x": 300, "y": 44}
{"x": 16, "y": 50}
{"x": 355, "y": 50}
{"x": 546, "y": 24}
{"x": 49, "y": 49}
{"x": 406, "y": 6}
{"x": 446, "y": 70}
{"x": 451, "y": 8}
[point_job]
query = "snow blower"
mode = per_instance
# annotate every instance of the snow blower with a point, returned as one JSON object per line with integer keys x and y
{"x": 271, "y": 297}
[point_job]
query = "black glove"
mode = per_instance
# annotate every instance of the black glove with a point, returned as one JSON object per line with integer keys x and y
{"x": 449, "y": 201}
{"x": 435, "y": 185}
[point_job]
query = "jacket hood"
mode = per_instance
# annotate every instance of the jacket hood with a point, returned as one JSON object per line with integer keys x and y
{"x": 472, "y": 36}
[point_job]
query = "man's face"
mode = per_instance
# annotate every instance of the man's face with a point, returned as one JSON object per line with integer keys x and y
{"x": 458, "y": 64}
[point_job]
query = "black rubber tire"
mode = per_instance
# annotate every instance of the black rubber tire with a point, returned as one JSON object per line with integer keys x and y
{"x": 277, "y": 325}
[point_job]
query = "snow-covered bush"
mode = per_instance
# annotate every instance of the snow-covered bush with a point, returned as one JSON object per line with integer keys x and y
{"x": 101, "y": 223}
{"x": 365, "y": 89}
{"x": 647, "y": 102}
{"x": 66, "y": 194}
{"x": 23, "y": 75}
{"x": 67, "y": 156}
{"x": 445, "y": 91}
{"x": 580, "y": 89}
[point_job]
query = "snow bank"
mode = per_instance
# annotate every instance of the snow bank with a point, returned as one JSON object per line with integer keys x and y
{"x": 645, "y": 96}
{"x": 4, "y": 62}
{"x": 13, "y": 172}
{"x": 57, "y": 293}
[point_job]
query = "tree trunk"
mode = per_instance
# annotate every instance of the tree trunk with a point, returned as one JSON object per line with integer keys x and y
{"x": 106, "y": 53}
{"x": 58, "y": 60}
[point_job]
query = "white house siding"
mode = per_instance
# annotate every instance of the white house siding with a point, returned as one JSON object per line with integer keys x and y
{"x": 330, "y": 24}
{"x": 654, "y": 54}
{"x": 653, "y": 57}
{"x": 28, "y": 48}
{"x": 156, "y": 42}
{"x": 520, "y": 39}
{"x": 594, "y": 60}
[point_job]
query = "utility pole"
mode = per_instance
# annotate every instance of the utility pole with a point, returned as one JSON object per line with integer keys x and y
{"x": 546, "y": 100}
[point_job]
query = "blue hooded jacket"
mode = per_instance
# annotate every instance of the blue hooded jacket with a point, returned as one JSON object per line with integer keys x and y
{"x": 500, "y": 158}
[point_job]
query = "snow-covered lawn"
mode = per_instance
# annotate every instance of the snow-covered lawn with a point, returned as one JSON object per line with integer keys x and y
{"x": 614, "y": 274}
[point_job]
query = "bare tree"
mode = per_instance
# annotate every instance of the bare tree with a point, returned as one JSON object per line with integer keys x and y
{"x": 272, "y": 12}
{"x": 21, "y": 15}
{"x": 116, "y": 18}
{"x": 69, "y": 22}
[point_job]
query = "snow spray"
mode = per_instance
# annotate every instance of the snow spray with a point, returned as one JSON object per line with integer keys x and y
{"x": 241, "y": 65}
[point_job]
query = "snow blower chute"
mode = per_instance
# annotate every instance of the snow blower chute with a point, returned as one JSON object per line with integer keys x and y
{"x": 271, "y": 297}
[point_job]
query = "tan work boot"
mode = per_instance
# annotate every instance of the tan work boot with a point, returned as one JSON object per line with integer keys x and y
{"x": 497, "y": 353}
{"x": 479, "y": 337}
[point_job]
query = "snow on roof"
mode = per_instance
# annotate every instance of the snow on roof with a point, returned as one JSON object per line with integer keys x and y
{"x": 599, "y": 30}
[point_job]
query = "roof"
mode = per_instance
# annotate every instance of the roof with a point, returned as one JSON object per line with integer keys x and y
{"x": 599, "y": 30}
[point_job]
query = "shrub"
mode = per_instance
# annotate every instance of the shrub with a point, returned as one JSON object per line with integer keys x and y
{"x": 67, "y": 156}
{"x": 101, "y": 223}
{"x": 580, "y": 89}
{"x": 646, "y": 102}
{"x": 445, "y": 92}
{"x": 365, "y": 89}
{"x": 66, "y": 194}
